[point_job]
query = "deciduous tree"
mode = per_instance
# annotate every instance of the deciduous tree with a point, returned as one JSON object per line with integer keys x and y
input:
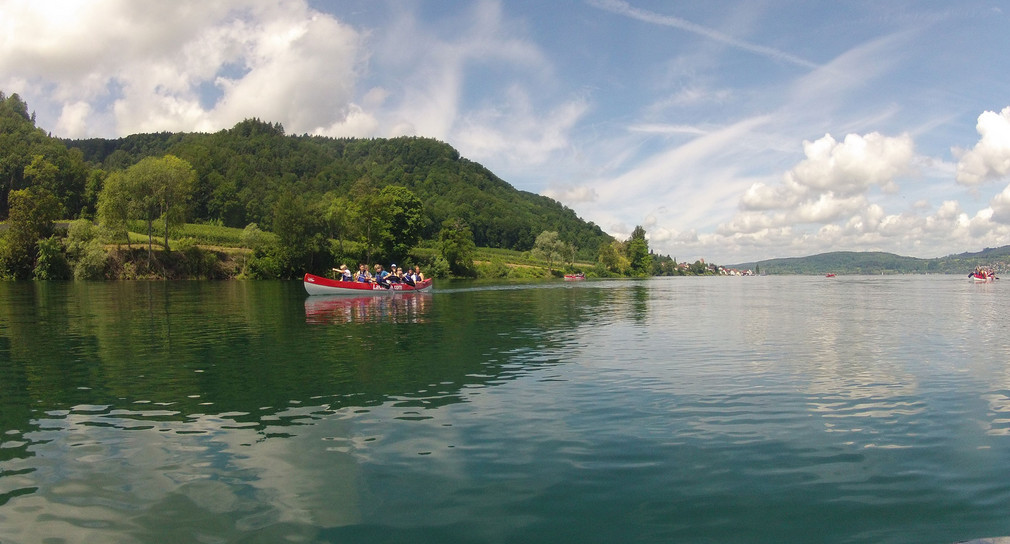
{"x": 458, "y": 247}
{"x": 638, "y": 253}
{"x": 30, "y": 219}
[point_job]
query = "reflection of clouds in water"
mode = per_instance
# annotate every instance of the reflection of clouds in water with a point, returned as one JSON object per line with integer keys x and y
{"x": 999, "y": 413}
{"x": 979, "y": 320}
{"x": 867, "y": 356}
{"x": 139, "y": 472}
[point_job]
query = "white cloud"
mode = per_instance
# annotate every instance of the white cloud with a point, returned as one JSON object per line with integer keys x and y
{"x": 828, "y": 185}
{"x": 657, "y": 128}
{"x": 571, "y": 194}
{"x": 73, "y": 119}
{"x": 990, "y": 158}
{"x": 623, "y": 8}
{"x": 516, "y": 132}
{"x": 1000, "y": 206}
{"x": 853, "y": 165}
{"x": 182, "y": 65}
{"x": 827, "y": 208}
{"x": 833, "y": 179}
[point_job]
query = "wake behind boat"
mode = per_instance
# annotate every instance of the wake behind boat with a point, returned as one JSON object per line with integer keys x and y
{"x": 319, "y": 285}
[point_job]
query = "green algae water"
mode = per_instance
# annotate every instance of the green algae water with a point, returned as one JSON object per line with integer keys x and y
{"x": 750, "y": 410}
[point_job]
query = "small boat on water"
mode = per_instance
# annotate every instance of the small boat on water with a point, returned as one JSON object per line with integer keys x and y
{"x": 829, "y": 275}
{"x": 319, "y": 285}
{"x": 981, "y": 277}
{"x": 575, "y": 277}
{"x": 982, "y": 274}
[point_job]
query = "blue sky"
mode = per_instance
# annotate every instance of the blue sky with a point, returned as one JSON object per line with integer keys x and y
{"x": 731, "y": 130}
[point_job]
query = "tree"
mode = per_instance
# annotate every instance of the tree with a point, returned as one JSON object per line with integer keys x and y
{"x": 638, "y": 253}
{"x": 160, "y": 189}
{"x": 402, "y": 210}
{"x": 252, "y": 238}
{"x": 549, "y": 247}
{"x": 611, "y": 256}
{"x": 373, "y": 230}
{"x": 338, "y": 217}
{"x": 42, "y": 173}
{"x": 85, "y": 252}
{"x": 51, "y": 263}
{"x": 30, "y": 219}
{"x": 300, "y": 239}
{"x": 458, "y": 247}
{"x": 114, "y": 201}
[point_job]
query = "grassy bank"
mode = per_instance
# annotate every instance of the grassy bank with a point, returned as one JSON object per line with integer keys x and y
{"x": 212, "y": 251}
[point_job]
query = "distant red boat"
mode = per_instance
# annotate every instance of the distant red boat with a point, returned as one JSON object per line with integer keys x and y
{"x": 318, "y": 285}
{"x": 575, "y": 277}
{"x": 982, "y": 277}
{"x": 829, "y": 275}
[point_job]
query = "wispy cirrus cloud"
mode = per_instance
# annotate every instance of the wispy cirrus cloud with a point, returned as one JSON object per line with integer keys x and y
{"x": 624, "y": 8}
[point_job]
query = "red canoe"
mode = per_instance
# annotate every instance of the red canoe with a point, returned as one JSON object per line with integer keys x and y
{"x": 318, "y": 285}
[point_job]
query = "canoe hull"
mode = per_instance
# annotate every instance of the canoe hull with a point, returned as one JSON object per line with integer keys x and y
{"x": 319, "y": 285}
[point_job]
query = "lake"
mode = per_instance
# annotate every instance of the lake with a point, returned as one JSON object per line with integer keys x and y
{"x": 750, "y": 410}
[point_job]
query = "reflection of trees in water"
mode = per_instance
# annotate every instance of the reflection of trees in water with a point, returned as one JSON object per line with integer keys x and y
{"x": 244, "y": 348}
{"x": 192, "y": 364}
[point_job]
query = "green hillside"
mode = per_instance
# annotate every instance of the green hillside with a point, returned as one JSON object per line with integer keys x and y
{"x": 295, "y": 203}
{"x": 875, "y": 262}
{"x": 243, "y": 171}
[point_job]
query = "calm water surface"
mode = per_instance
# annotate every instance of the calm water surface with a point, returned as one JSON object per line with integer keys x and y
{"x": 751, "y": 410}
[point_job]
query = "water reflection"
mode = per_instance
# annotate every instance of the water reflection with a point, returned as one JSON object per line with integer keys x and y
{"x": 146, "y": 473}
{"x": 688, "y": 409}
{"x": 394, "y": 308}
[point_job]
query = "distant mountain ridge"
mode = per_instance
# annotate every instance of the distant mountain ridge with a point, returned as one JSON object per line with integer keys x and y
{"x": 878, "y": 262}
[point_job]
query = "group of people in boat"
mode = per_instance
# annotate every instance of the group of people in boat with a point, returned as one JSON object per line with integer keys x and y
{"x": 984, "y": 272}
{"x": 381, "y": 276}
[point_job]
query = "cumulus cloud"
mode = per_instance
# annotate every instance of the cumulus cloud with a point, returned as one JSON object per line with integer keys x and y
{"x": 853, "y": 165}
{"x": 829, "y": 184}
{"x": 827, "y": 208}
{"x": 1000, "y": 206}
{"x": 824, "y": 203}
{"x": 990, "y": 158}
{"x": 181, "y": 65}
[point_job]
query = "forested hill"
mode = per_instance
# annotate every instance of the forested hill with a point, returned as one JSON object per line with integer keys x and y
{"x": 853, "y": 262}
{"x": 243, "y": 171}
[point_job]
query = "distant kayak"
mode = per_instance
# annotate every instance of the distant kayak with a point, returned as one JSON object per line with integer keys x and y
{"x": 575, "y": 277}
{"x": 829, "y": 275}
{"x": 319, "y": 285}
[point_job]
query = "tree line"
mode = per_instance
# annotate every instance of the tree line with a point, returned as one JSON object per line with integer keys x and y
{"x": 324, "y": 200}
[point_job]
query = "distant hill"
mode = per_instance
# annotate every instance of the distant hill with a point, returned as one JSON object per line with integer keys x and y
{"x": 876, "y": 262}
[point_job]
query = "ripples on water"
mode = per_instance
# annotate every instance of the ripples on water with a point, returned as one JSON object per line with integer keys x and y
{"x": 678, "y": 410}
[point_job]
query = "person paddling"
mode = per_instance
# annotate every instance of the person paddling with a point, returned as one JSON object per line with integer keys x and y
{"x": 343, "y": 273}
{"x": 363, "y": 276}
{"x": 394, "y": 274}
{"x": 381, "y": 276}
